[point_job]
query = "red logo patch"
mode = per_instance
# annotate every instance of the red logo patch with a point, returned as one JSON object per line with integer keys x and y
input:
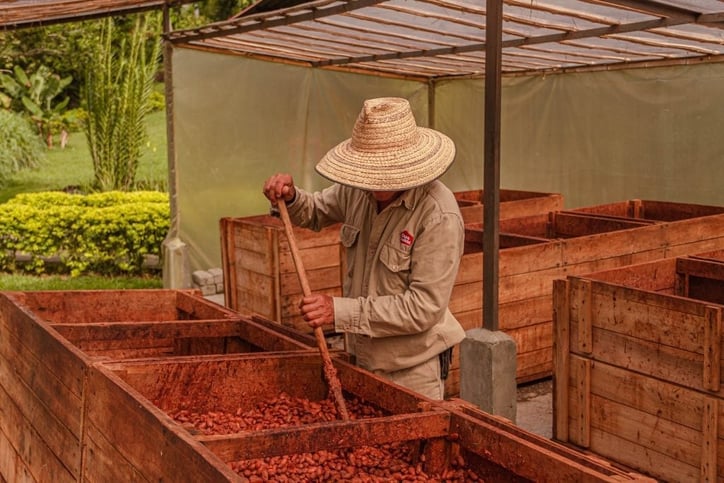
{"x": 406, "y": 238}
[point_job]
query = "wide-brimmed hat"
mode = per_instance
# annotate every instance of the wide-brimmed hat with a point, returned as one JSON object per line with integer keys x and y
{"x": 388, "y": 151}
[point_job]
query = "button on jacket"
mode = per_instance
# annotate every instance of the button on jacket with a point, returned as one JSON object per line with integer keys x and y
{"x": 402, "y": 264}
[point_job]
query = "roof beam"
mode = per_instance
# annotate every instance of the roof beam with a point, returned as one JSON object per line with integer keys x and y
{"x": 25, "y": 14}
{"x": 559, "y": 37}
{"x": 286, "y": 16}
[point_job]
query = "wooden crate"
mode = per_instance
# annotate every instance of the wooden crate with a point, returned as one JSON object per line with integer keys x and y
{"x": 259, "y": 273}
{"x": 50, "y": 340}
{"x": 557, "y": 244}
{"x": 71, "y": 416}
{"x": 638, "y": 357}
{"x": 513, "y": 204}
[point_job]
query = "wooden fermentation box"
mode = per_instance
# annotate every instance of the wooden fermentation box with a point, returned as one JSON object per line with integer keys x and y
{"x": 84, "y": 398}
{"x": 259, "y": 273}
{"x": 49, "y": 342}
{"x": 535, "y": 250}
{"x": 638, "y": 357}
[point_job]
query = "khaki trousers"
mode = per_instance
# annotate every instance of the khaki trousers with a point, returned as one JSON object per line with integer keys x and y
{"x": 423, "y": 378}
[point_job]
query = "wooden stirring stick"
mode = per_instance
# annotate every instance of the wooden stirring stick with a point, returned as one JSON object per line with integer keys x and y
{"x": 330, "y": 373}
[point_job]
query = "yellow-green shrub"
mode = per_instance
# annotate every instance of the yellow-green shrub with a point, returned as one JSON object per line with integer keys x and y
{"x": 108, "y": 233}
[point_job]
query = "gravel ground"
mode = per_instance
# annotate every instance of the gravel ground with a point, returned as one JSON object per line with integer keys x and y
{"x": 534, "y": 411}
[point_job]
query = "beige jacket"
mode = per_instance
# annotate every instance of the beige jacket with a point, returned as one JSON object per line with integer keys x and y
{"x": 401, "y": 263}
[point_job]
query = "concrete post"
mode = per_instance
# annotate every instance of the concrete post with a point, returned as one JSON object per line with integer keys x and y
{"x": 176, "y": 269}
{"x": 487, "y": 372}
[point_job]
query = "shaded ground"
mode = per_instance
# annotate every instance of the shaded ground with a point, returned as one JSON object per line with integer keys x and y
{"x": 535, "y": 408}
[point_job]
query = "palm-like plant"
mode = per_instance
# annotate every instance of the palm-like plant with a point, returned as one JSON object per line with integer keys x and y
{"x": 118, "y": 84}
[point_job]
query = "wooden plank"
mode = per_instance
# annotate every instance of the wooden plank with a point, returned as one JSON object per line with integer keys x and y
{"x": 523, "y": 313}
{"x": 547, "y": 446}
{"x": 532, "y": 338}
{"x": 319, "y": 279}
{"x": 31, "y": 449}
{"x": 12, "y": 467}
{"x": 561, "y": 359}
{"x": 109, "y": 305}
{"x": 520, "y": 454}
{"x": 253, "y": 262}
{"x": 618, "y": 208}
{"x": 466, "y": 297}
{"x": 570, "y": 224}
{"x": 313, "y": 258}
{"x": 655, "y": 276}
{"x": 534, "y": 365}
{"x": 700, "y": 268}
{"x": 649, "y": 431}
{"x": 695, "y": 235}
{"x": 645, "y": 460}
{"x": 328, "y": 436}
{"x": 191, "y": 305}
{"x": 228, "y": 262}
{"x": 49, "y": 367}
{"x": 712, "y": 349}
{"x": 674, "y": 322}
{"x": 614, "y": 244}
{"x": 585, "y": 319}
{"x": 709, "y": 439}
{"x": 673, "y": 211}
{"x": 580, "y": 432}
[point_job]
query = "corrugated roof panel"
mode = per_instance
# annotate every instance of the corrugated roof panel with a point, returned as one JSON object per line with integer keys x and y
{"x": 431, "y": 38}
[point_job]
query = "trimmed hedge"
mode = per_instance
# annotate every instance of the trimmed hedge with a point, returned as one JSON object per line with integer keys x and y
{"x": 108, "y": 233}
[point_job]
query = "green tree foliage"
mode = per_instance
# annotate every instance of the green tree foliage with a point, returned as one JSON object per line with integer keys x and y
{"x": 118, "y": 85}
{"x": 217, "y": 10}
{"x": 20, "y": 146}
{"x": 36, "y": 94}
{"x": 61, "y": 48}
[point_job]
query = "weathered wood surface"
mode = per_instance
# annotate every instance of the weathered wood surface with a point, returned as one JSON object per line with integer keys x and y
{"x": 67, "y": 416}
{"x": 123, "y": 340}
{"x": 259, "y": 273}
{"x": 41, "y": 391}
{"x": 638, "y": 367}
{"x": 512, "y": 204}
{"x": 575, "y": 243}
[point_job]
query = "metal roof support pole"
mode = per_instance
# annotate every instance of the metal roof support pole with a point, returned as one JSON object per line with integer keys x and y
{"x": 491, "y": 162}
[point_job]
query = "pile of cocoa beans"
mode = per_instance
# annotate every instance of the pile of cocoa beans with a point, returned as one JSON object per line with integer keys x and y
{"x": 383, "y": 463}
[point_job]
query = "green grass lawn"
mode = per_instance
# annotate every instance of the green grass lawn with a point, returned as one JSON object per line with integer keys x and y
{"x": 72, "y": 166}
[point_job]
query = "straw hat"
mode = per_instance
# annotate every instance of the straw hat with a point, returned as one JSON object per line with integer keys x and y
{"x": 387, "y": 150}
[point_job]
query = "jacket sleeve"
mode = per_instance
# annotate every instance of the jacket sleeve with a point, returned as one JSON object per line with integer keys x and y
{"x": 317, "y": 210}
{"x": 433, "y": 265}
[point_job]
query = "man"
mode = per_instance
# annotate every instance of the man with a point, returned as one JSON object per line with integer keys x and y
{"x": 404, "y": 239}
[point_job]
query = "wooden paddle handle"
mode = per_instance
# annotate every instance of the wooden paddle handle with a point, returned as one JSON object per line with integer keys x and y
{"x": 330, "y": 372}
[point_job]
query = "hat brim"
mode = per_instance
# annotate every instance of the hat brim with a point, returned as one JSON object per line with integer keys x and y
{"x": 391, "y": 169}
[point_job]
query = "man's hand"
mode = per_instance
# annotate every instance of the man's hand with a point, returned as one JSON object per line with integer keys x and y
{"x": 279, "y": 187}
{"x": 318, "y": 310}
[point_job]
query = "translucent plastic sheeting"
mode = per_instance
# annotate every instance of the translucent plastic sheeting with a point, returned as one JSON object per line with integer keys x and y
{"x": 594, "y": 137}
{"x": 237, "y": 121}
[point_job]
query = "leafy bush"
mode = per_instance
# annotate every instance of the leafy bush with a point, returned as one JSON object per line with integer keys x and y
{"x": 106, "y": 233}
{"x": 36, "y": 93}
{"x": 20, "y": 146}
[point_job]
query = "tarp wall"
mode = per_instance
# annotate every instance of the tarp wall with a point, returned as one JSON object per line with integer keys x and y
{"x": 594, "y": 137}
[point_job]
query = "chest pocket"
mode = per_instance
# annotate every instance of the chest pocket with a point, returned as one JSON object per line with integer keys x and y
{"x": 395, "y": 260}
